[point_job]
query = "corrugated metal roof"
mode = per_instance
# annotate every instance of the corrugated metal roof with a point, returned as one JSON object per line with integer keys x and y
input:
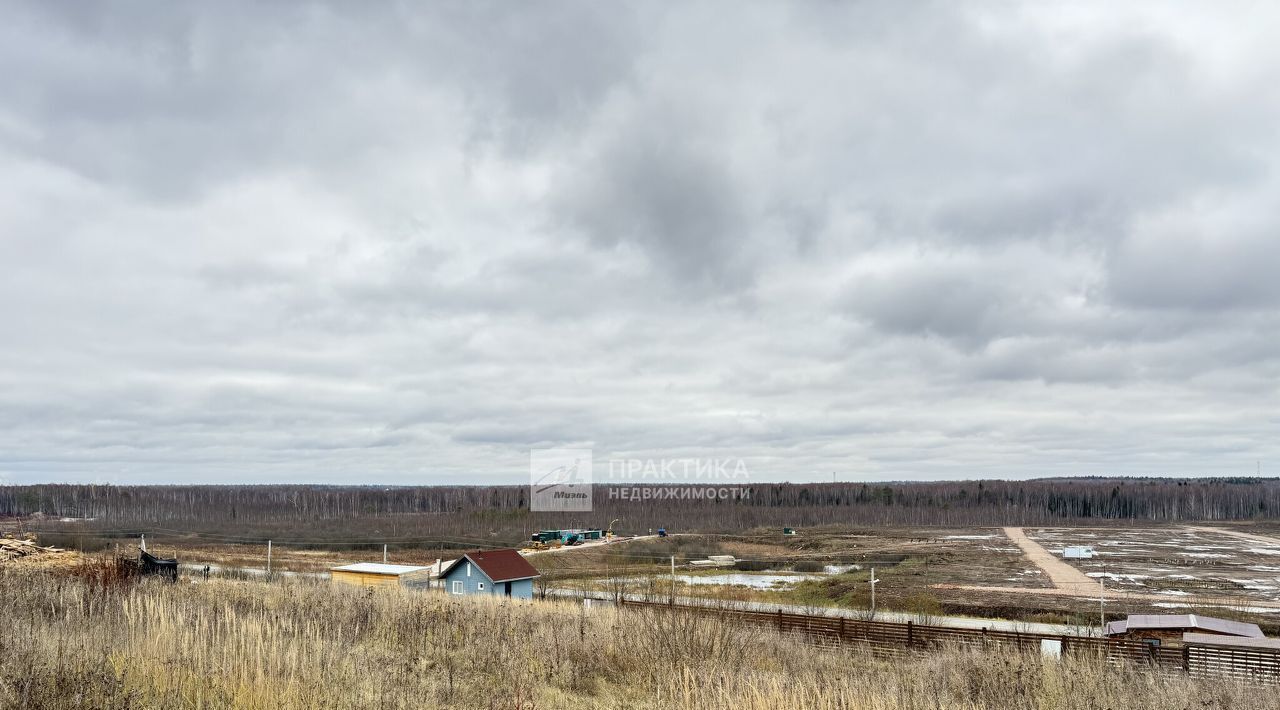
{"x": 379, "y": 568}
{"x": 438, "y": 566}
{"x": 1184, "y": 621}
{"x": 503, "y": 565}
{"x": 1216, "y": 640}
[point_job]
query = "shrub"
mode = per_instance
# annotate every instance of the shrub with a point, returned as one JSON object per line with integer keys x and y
{"x": 751, "y": 565}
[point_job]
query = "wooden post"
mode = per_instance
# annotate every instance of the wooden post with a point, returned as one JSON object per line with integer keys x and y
{"x": 268, "y": 559}
{"x": 779, "y": 619}
{"x": 842, "y": 628}
{"x": 910, "y": 628}
{"x": 1186, "y": 659}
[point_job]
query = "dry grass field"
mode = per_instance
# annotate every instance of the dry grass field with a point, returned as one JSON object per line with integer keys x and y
{"x": 87, "y": 639}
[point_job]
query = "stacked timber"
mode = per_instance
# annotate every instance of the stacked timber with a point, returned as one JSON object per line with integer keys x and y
{"x": 12, "y": 549}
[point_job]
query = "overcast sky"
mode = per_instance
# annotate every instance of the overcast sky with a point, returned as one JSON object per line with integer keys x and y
{"x": 337, "y": 243}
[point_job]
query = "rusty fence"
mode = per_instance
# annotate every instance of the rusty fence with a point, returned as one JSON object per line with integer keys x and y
{"x": 899, "y": 639}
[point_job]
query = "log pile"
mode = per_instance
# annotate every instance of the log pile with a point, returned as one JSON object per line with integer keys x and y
{"x": 12, "y": 549}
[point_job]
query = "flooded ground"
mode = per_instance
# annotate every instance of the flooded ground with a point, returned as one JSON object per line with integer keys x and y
{"x": 752, "y": 580}
{"x": 1176, "y": 562}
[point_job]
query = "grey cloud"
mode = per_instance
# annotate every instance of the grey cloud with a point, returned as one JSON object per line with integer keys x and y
{"x": 179, "y": 99}
{"x": 652, "y": 186}
{"x": 316, "y": 242}
{"x": 1181, "y": 266}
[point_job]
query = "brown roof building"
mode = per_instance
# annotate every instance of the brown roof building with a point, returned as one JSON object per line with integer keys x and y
{"x": 499, "y": 572}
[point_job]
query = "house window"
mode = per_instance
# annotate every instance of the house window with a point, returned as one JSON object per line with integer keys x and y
{"x": 1152, "y": 642}
{"x": 457, "y": 587}
{"x": 479, "y": 586}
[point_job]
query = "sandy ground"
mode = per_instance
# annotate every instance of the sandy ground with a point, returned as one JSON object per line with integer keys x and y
{"x": 1063, "y": 575}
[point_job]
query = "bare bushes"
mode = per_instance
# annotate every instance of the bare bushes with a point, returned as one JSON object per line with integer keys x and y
{"x": 670, "y": 637}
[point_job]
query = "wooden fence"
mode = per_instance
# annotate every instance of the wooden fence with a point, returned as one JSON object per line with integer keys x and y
{"x": 899, "y": 639}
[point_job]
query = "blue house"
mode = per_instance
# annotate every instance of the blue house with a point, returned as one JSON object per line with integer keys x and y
{"x": 504, "y": 573}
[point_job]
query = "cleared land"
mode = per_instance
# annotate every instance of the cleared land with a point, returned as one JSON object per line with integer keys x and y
{"x": 1063, "y": 575}
{"x": 1251, "y": 537}
{"x": 959, "y": 571}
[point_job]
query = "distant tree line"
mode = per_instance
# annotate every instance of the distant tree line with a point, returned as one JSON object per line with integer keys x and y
{"x": 472, "y": 514}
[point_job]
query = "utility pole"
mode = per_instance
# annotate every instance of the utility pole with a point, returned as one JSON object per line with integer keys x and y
{"x": 1102, "y": 606}
{"x": 384, "y": 553}
{"x": 673, "y": 580}
{"x": 143, "y": 544}
{"x": 873, "y": 592}
{"x": 268, "y": 559}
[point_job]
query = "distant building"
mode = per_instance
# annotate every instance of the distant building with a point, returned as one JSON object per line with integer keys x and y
{"x": 1078, "y": 553}
{"x": 495, "y": 572}
{"x": 1165, "y": 629}
{"x": 375, "y": 574}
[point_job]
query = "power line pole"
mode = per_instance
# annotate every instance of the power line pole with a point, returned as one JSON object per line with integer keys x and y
{"x": 384, "y": 553}
{"x": 873, "y": 592}
{"x": 673, "y": 580}
{"x": 268, "y": 559}
{"x": 1102, "y": 606}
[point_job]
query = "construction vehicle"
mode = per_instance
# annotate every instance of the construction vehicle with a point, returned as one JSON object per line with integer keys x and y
{"x": 608, "y": 533}
{"x": 545, "y": 539}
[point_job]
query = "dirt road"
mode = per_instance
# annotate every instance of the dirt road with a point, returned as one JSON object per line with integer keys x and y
{"x": 1063, "y": 575}
{"x": 1251, "y": 537}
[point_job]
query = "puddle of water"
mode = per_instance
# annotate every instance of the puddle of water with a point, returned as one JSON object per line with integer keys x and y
{"x": 765, "y": 580}
{"x": 754, "y": 581}
{"x": 1131, "y": 578}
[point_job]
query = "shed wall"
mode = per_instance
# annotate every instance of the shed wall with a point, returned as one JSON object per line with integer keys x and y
{"x": 520, "y": 589}
{"x": 365, "y": 579}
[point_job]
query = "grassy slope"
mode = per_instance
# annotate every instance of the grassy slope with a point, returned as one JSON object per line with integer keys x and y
{"x": 75, "y": 641}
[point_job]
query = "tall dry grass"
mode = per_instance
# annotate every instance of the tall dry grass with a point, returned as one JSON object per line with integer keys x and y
{"x": 74, "y": 641}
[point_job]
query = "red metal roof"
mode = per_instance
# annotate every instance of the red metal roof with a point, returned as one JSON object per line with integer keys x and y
{"x": 498, "y": 565}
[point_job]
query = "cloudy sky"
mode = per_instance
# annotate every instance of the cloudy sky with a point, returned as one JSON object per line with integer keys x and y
{"x": 406, "y": 244}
